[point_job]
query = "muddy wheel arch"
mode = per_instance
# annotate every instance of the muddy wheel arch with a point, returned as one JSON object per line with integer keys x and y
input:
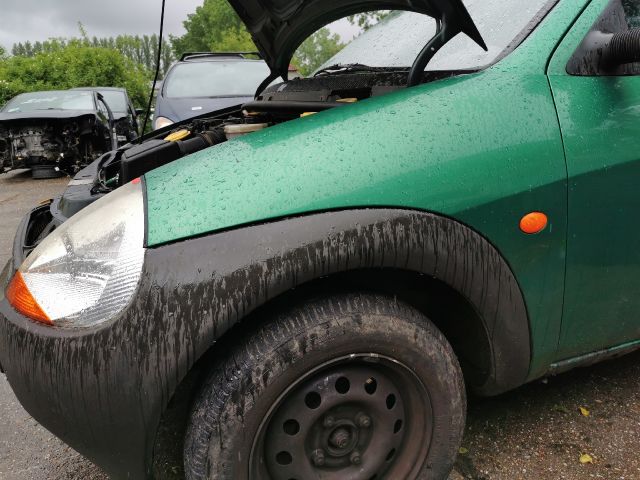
{"x": 241, "y": 270}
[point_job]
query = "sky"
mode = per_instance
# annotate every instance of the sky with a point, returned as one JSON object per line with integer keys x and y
{"x": 35, "y": 20}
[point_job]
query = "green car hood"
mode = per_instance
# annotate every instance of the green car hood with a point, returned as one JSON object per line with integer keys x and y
{"x": 278, "y": 27}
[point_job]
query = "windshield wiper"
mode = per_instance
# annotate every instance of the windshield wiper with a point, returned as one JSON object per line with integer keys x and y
{"x": 339, "y": 68}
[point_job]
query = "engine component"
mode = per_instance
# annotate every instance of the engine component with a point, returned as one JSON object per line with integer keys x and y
{"x": 52, "y": 145}
{"x": 234, "y": 131}
{"x": 152, "y": 154}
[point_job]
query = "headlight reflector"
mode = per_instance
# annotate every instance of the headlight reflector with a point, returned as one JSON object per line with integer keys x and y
{"x": 86, "y": 271}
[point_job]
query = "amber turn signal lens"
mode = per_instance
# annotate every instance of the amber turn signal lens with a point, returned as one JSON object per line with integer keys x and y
{"x": 21, "y": 299}
{"x": 533, "y": 222}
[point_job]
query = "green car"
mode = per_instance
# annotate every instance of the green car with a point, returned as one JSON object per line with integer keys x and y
{"x": 305, "y": 286}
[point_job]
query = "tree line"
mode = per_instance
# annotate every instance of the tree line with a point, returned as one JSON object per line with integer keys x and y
{"x": 141, "y": 49}
{"x": 73, "y": 65}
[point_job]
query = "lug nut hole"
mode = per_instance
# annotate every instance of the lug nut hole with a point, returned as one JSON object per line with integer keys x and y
{"x": 312, "y": 400}
{"x": 397, "y": 426}
{"x": 391, "y": 401}
{"x": 370, "y": 386}
{"x": 343, "y": 385}
{"x": 284, "y": 458}
{"x": 291, "y": 427}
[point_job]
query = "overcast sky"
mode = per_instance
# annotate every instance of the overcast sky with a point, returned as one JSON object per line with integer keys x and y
{"x": 33, "y": 20}
{"x": 41, "y": 19}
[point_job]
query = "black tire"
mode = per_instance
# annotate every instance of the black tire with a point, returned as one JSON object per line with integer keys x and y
{"x": 44, "y": 173}
{"x": 278, "y": 405}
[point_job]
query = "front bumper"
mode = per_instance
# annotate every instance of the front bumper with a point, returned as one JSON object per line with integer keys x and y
{"x": 104, "y": 390}
{"x": 101, "y": 390}
{"x": 91, "y": 388}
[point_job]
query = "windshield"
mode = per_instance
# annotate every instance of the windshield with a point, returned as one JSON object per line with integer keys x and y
{"x": 216, "y": 79}
{"x": 30, "y": 102}
{"x": 397, "y": 40}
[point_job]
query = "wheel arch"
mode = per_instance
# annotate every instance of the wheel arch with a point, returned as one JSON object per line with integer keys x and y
{"x": 373, "y": 249}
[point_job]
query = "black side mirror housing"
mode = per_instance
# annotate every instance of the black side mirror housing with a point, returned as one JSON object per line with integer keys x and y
{"x": 606, "y": 53}
{"x": 623, "y": 48}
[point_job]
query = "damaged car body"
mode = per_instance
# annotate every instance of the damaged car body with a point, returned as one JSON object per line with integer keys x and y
{"x": 125, "y": 115}
{"x": 304, "y": 286}
{"x": 56, "y": 132}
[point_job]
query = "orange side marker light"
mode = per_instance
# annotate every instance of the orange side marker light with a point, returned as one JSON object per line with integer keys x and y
{"x": 533, "y": 222}
{"x": 21, "y": 299}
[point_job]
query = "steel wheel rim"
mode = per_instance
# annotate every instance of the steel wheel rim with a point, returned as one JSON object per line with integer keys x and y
{"x": 359, "y": 417}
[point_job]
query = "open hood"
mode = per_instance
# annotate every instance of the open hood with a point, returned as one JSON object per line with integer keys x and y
{"x": 278, "y": 27}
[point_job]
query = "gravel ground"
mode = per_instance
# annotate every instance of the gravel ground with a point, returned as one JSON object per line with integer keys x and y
{"x": 534, "y": 433}
{"x": 28, "y": 451}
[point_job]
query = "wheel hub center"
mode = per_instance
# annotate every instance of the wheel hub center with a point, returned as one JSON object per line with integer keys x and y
{"x": 343, "y": 423}
{"x": 340, "y": 438}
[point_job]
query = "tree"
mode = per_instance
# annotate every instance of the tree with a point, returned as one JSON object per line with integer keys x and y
{"x": 368, "y": 19}
{"x": 140, "y": 49}
{"x": 214, "y": 26}
{"x": 316, "y": 50}
{"x": 3, "y": 53}
{"x": 74, "y": 65}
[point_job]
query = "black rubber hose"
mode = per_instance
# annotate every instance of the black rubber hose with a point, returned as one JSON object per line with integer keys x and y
{"x": 193, "y": 145}
{"x": 201, "y": 141}
{"x": 624, "y": 48}
{"x": 214, "y": 137}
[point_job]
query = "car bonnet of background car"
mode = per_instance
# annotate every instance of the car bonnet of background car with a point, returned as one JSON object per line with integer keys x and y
{"x": 278, "y": 27}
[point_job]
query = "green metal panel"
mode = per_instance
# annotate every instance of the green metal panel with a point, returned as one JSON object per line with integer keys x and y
{"x": 484, "y": 149}
{"x": 600, "y": 119}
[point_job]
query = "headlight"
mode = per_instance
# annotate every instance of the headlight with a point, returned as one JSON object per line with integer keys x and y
{"x": 86, "y": 271}
{"x": 162, "y": 122}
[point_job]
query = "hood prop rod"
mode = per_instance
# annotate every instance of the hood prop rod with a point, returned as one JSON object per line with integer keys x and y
{"x": 447, "y": 27}
{"x": 444, "y": 33}
{"x": 267, "y": 81}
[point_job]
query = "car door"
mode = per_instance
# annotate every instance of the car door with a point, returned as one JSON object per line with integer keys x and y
{"x": 599, "y": 114}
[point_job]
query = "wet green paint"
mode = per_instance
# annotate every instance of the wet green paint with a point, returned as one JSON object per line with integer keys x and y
{"x": 600, "y": 119}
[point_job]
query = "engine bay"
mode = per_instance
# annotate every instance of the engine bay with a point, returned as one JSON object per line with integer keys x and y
{"x": 64, "y": 145}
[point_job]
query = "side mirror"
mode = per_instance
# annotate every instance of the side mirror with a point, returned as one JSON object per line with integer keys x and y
{"x": 621, "y": 49}
{"x": 140, "y": 111}
{"x": 605, "y": 53}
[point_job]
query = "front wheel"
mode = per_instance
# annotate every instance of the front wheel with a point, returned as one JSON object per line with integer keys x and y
{"x": 355, "y": 387}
